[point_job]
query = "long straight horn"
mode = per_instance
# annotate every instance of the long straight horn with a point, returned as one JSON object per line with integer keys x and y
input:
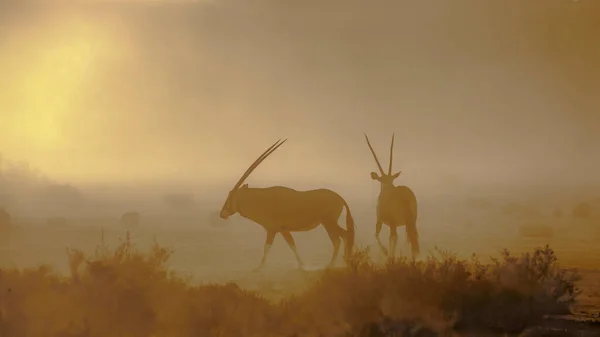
{"x": 259, "y": 160}
{"x": 374, "y": 155}
{"x": 391, "y": 155}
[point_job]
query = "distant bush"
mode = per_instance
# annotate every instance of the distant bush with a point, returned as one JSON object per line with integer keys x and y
{"x": 179, "y": 201}
{"x": 122, "y": 292}
{"x": 57, "y": 221}
{"x": 582, "y": 210}
{"x": 130, "y": 219}
{"x": 515, "y": 209}
{"x": 558, "y": 213}
{"x": 536, "y": 230}
{"x": 5, "y": 226}
{"x": 62, "y": 195}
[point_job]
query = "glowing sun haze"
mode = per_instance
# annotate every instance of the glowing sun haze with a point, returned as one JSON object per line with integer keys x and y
{"x": 131, "y": 90}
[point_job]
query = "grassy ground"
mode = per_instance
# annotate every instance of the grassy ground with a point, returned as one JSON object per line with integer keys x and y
{"x": 125, "y": 292}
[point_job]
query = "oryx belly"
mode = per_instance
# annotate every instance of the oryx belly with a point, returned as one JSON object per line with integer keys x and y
{"x": 300, "y": 219}
{"x": 300, "y": 226}
{"x": 284, "y": 209}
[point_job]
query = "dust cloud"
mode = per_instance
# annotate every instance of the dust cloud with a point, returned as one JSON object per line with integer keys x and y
{"x": 132, "y": 91}
{"x": 140, "y": 116}
{"x": 129, "y": 102}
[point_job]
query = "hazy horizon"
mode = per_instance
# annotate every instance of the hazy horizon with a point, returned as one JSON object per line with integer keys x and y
{"x": 142, "y": 92}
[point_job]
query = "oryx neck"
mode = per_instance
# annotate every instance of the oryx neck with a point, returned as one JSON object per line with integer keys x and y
{"x": 386, "y": 189}
{"x": 241, "y": 200}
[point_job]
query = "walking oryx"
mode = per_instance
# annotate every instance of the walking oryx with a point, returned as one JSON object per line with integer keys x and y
{"x": 284, "y": 210}
{"x": 396, "y": 206}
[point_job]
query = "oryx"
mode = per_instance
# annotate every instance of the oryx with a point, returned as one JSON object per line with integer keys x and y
{"x": 396, "y": 206}
{"x": 284, "y": 210}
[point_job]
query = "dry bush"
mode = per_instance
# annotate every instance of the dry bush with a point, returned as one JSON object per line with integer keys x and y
{"x": 179, "y": 201}
{"x": 57, "y": 221}
{"x": 130, "y": 219}
{"x": 582, "y": 210}
{"x": 515, "y": 209}
{"x": 558, "y": 213}
{"x": 5, "y": 226}
{"x": 123, "y": 292}
{"x": 536, "y": 230}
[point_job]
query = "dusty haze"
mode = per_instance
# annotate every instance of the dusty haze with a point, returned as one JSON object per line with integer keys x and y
{"x": 133, "y": 119}
{"x": 147, "y": 91}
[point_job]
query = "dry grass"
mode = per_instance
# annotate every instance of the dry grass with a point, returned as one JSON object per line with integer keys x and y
{"x": 124, "y": 292}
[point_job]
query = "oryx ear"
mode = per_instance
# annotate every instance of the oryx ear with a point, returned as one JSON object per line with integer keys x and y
{"x": 245, "y": 186}
{"x": 374, "y": 176}
{"x": 396, "y": 175}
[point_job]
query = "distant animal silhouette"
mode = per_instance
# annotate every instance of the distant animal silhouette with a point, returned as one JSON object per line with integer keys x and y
{"x": 396, "y": 206}
{"x": 284, "y": 210}
{"x": 130, "y": 219}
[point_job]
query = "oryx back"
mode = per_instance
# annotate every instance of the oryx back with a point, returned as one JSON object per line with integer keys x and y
{"x": 287, "y": 209}
{"x": 405, "y": 203}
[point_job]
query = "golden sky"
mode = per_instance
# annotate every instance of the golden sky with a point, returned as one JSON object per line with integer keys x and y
{"x": 143, "y": 90}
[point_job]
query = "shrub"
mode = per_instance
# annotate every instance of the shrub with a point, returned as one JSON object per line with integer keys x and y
{"x": 57, "y": 221}
{"x": 536, "y": 230}
{"x": 558, "y": 212}
{"x": 130, "y": 219}
{"x": 582, "y": 210}
{"x": 122, "y": 292}
{"x": 515, "y": 209}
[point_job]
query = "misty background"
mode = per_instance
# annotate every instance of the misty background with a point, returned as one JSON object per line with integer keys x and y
{"x": 187, "y": 94}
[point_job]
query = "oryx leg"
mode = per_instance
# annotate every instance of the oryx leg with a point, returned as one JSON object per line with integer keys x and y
{"x": 378, "y": 227}
{"x": 393, "y": 240}
{"x": 268, "y": 243}
{"x": 290, "y": 241}
{"x": 334, "y": 231}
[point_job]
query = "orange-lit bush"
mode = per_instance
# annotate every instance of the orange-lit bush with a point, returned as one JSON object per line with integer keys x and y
{"x": 123, "y": 292}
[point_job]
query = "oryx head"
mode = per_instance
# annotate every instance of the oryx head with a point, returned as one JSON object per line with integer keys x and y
{"x": 386, "y": 180}
{"x": 230, "y": 206}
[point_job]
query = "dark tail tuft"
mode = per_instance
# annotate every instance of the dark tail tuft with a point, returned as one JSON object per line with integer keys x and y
{"x": 411, "y": 229}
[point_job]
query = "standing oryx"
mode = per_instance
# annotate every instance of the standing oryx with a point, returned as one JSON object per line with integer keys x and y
{"x": 284, "y": 210}
{"x": 396, "y": 206}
